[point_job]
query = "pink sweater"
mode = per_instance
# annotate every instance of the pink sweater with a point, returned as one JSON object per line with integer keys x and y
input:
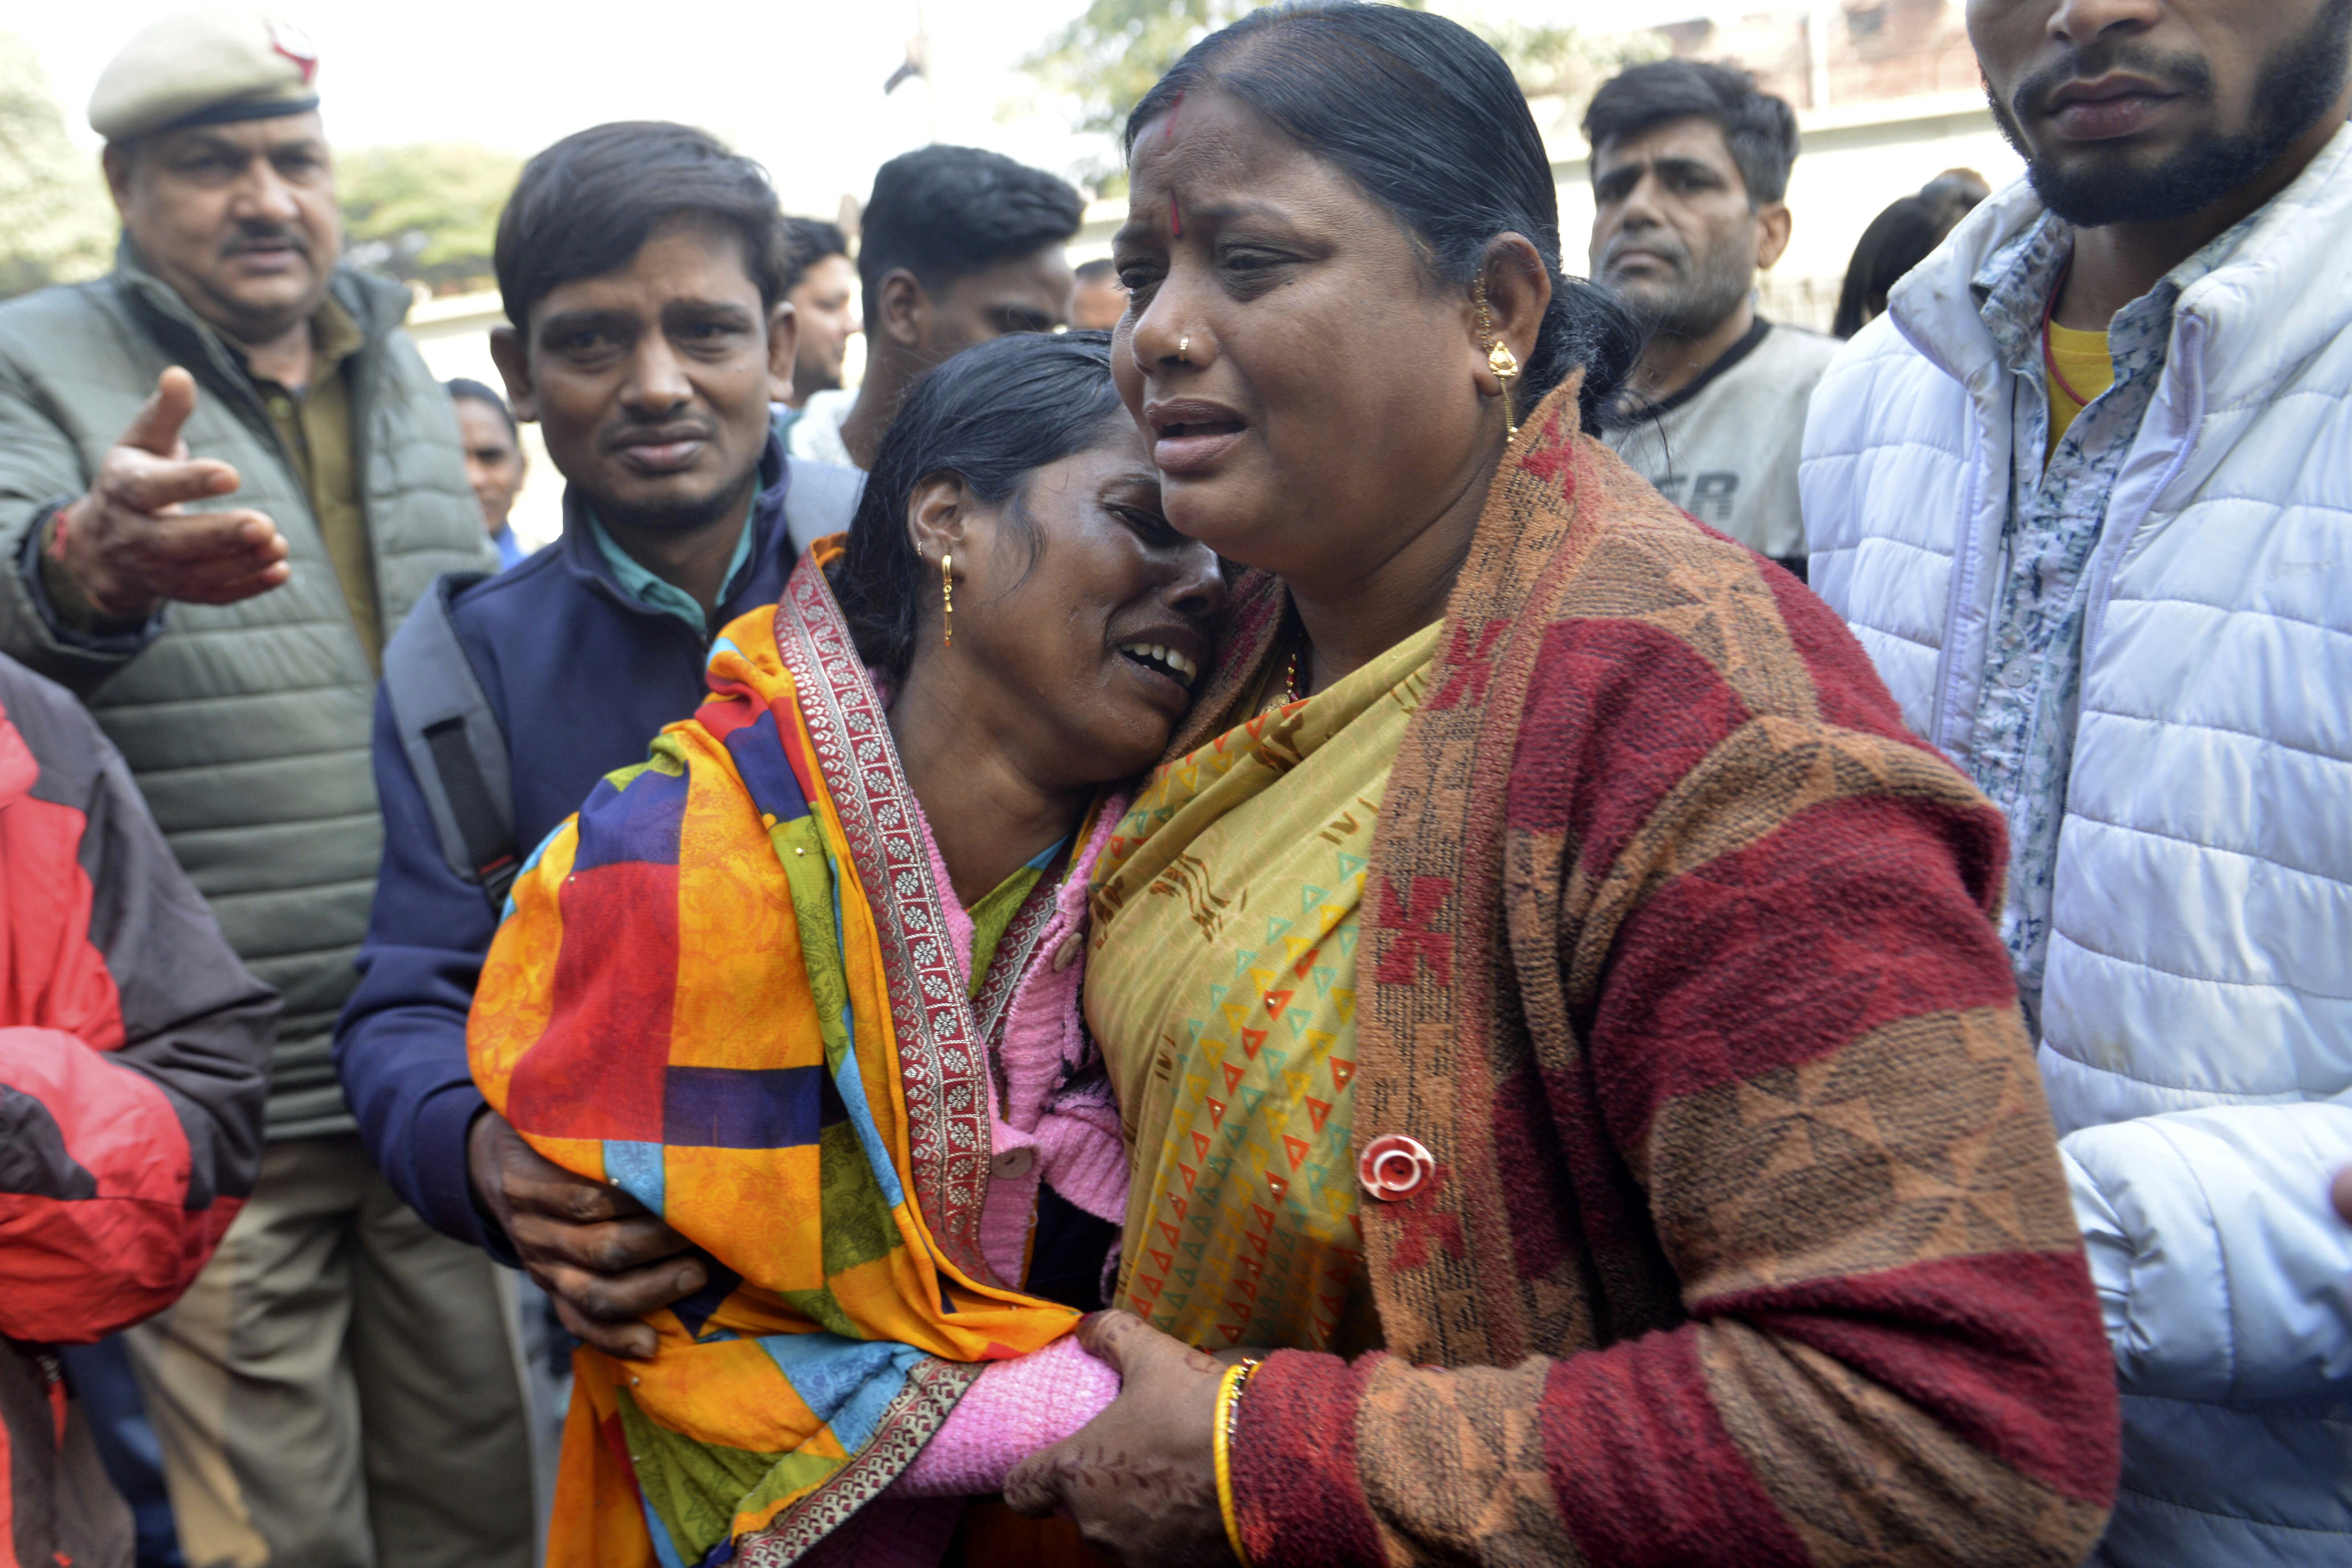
{"x": 1073, "y": 1133}
{"x": 1016, "y": 1408}
{"x": 1020, "y": 1407}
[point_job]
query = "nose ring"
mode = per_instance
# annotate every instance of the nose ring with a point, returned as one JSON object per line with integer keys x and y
{"x": 1184, "y": 347}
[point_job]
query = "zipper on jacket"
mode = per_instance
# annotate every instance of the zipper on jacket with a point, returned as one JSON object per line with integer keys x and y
{"x": 2187, "y": 364}
{"x": 53, "y": 1373}
{"x": 365, "y": 370}
{"x": 1967, "y": 561}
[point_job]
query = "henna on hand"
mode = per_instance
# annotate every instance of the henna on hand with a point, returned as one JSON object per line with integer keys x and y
{"x": 1141, "y": 1478}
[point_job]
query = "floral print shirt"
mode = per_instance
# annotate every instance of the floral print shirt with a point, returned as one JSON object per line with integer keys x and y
{"x": 2030, "y": 699}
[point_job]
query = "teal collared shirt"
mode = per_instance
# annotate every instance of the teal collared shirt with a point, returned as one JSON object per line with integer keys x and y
{"x": 657, "y": 595}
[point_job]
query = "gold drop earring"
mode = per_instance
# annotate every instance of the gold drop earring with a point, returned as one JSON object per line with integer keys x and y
{"x": 1499, "y": 357}
{"x": 947, "y": 599}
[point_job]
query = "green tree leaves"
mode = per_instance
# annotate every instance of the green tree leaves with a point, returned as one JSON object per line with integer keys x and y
{"x": 425, "y": 213}
{"x": 59, "y": 226}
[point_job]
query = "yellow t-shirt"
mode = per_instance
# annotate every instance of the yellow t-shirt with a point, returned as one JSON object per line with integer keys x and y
{"x": 2082, "y": 358}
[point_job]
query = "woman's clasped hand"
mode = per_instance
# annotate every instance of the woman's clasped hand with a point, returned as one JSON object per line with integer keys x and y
{"x": 1141, "y": 1477}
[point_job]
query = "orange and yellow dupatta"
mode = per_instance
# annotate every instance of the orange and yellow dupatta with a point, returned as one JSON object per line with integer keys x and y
{"x": 725, "y": 986}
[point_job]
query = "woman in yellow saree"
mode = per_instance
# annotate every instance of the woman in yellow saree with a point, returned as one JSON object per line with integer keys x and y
{"x": 804, "y": 984}
{"x": 1556, "y": 1001}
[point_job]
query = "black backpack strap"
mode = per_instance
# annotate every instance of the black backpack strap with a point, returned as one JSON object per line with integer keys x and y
{"x": 452, "y": 742}
{"x": 820, "y": 499}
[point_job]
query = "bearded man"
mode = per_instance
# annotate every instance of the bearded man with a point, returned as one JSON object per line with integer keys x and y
{"x": 2084, "y": 493}
{"x": 1690, "y": 169}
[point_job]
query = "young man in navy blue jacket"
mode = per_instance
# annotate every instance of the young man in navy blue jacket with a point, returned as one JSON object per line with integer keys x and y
{"x": 642, "y": 272}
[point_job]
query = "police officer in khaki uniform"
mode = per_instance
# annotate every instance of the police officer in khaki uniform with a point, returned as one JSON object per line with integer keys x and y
{"x": 225, "y": 476}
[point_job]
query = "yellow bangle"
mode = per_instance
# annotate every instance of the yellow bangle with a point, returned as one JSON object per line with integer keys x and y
{"x": 1220, "y": 1438}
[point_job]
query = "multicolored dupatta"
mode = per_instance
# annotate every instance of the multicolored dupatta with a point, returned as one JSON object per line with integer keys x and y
{"x": 725, "y": 987}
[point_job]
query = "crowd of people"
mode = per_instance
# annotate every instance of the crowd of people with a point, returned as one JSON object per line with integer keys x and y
{"x": 1311, "y": 895}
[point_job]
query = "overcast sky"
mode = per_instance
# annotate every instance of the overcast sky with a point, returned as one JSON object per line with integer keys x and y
{"x": 794, "y": 83}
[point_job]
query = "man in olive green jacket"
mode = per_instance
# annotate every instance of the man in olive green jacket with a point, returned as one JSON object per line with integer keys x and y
{"x": 225, "y": 477}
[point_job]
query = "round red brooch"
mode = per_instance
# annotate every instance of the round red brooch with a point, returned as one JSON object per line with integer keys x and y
{"x": 1393, "y": 1167}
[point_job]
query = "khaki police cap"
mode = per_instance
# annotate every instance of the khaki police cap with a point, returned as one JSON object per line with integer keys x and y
{"x": 205, "y": 67}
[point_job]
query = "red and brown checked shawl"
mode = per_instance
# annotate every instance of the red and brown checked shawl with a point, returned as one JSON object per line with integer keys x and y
{"x": 1748, "y": 1243}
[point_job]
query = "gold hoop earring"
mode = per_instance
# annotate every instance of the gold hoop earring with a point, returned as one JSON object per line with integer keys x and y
{"x": 947, "y": 600}
{"x": 1499, "y": 357}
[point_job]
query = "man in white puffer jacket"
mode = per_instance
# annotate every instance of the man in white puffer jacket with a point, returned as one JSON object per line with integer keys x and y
{"x": 2085, "y": 495}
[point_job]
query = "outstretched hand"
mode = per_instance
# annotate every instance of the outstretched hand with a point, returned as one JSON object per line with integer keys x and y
{"x": 1141, "y": 1478}
{"x": 598, "y": 1252}
{"x": 127, "y": 545}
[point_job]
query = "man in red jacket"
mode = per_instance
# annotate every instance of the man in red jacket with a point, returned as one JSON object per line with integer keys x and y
{"x": 133, "y": 1055}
